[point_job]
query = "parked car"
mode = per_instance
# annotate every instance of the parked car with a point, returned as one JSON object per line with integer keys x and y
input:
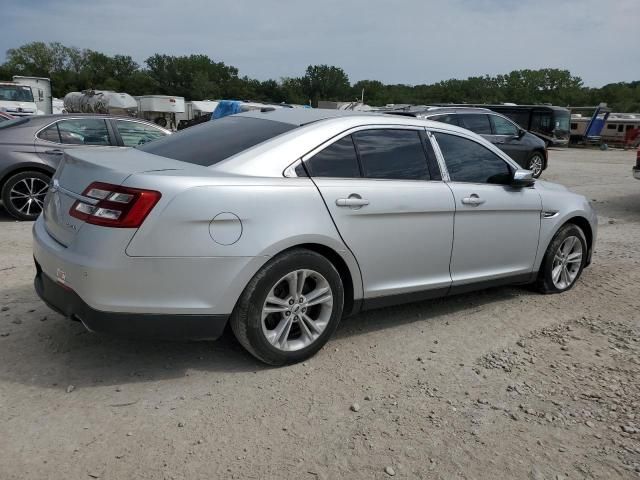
{"x": 281, "y": 222}
{"x": 31, "y": 149}
{"x": 528, "y": 150}
{"x": 5, "y": 116}
{"x": 636, "y": 168}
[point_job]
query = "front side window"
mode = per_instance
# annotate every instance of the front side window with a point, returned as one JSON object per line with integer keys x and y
{"x": 83, "y": 131}
{"x": 392, "y": 154}
{"x": 468, "y": 161}
{"x": 136, "y": 133}
{"x": 502, "y": 126}
{"x": 478, "y": 123}
{"x": 338, "y": 160}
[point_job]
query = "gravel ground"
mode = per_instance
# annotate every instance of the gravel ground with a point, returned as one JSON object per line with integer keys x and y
{"x": 504, "y": 383}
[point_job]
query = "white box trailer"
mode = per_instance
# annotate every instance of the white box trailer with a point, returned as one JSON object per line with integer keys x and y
{"x": 41, "y": 89}
{"x": 160, "y": 109}
{"x": 195, "y": 109}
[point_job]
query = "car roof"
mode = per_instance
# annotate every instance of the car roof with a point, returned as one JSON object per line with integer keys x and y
{"x": 301, "y": 116}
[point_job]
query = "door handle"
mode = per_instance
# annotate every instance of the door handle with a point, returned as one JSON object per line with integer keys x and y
{"x": 54, "y": 152}
{"x": 354, "y": 201}
{"x": 473, "y": 199}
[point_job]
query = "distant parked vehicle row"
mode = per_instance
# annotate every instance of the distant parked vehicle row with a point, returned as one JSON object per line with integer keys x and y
{"x": 526, "y": 149}
{"x": 31, "y": 149}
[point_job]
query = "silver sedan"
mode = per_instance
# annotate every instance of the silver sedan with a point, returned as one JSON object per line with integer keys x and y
{"x": 280, "y": 222}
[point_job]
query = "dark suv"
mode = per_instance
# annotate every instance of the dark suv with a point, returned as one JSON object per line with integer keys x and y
{"x": 526, "y": 149}
{"x": 31, "y": 148}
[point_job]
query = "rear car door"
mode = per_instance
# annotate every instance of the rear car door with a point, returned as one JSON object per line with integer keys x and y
{"x": 506, "y": 137}
{"x": 52, "y": 140}
{"x": 496, "y": 226}
{"x": 384, "y": 192}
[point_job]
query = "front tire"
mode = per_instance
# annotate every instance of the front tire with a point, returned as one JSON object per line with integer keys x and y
{"x": 563, "y": 261}
{"x": 23, "y": 194}
{"x": 536, "y": 164}
{"x": 290, "y": 308}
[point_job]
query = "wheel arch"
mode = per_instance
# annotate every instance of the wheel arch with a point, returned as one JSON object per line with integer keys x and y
{"x": 585, "y": 226}
{"x": 20, "y": 168}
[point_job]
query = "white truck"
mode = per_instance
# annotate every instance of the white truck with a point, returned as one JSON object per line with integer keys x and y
{"x": 17, "y": 100}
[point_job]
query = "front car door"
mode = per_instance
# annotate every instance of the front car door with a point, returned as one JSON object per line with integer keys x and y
{"x": 383, "y": 189}
{"x": 496, "y": 226}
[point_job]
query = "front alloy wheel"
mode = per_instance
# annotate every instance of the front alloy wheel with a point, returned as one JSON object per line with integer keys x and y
{"x": 563, "y": 261}
{"x": 290, "y": 308}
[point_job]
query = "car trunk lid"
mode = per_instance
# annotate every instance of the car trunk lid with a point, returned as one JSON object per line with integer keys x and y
{"x": 78, "y": 169}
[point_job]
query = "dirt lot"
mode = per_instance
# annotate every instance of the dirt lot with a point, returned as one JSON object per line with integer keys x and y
{"x": 503, "y": 383}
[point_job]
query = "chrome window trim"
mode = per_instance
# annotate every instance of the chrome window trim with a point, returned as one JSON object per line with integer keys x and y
{"x": 35, "y": 135}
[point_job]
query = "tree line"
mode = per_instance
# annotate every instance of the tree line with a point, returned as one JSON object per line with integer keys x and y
{"x": 198, "y": 77}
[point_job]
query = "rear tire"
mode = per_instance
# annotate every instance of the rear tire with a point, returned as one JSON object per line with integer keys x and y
{"x": 563, "y": 261}
{"x": 289, "y": 277}
{"x": 23, "y": 194}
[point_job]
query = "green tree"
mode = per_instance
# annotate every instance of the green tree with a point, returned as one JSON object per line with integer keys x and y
{"x": 324, "y": 82}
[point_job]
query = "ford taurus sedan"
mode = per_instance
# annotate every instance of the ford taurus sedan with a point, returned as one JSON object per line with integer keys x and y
{"x": 31, "y": 148}
{"x": 281, "y": 222}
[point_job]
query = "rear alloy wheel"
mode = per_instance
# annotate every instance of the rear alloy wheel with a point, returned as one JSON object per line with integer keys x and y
{"x": 564, "y": 260}
{"x": 290, "y": 308}
{"x": 536, "y": 164}
{"x": 23, "y": 194}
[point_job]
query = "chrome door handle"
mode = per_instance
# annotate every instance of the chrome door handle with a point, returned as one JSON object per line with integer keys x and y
{"x": 354, "y": 201}
{"x": 54, "y": 152}
{"x": 473, "y": 199}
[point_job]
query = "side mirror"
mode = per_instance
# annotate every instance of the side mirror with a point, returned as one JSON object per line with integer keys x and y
{"x": 521, "y": 133}
{"x": 522, "y": 178}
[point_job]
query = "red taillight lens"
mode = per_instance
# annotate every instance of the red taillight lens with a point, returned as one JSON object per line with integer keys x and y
{"x": 117, "y": 206}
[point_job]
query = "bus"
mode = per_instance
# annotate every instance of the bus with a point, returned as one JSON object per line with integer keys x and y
{"x": 550, "y": 123}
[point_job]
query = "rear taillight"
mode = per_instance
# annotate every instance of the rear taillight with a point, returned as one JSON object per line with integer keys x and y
{"x": 117, "y": 206}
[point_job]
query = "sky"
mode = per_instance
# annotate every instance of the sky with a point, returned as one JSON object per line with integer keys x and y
{"x": 401, "y": 41}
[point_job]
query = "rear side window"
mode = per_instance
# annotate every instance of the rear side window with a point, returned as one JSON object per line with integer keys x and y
{"x": 338, "y": 160}
{"x": 216, "y": 140}
{"x": 50, "y": 134}
{"x": 83, "y": 131}
{"x": 478, "y": 123}
{"x": 468, "y": 161}
{"x": 446, "y": 118}
{"x": 392, "y": 154}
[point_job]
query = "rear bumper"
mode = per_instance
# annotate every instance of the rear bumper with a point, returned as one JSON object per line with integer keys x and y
{"x": 162, "y": 326}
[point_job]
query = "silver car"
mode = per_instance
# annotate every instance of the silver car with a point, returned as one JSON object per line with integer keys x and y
{"x": 280, "y": 222}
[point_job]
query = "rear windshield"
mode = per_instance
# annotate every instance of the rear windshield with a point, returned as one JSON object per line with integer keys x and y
{"x": 213, "y": 141}
{"x": 13, "y": 123}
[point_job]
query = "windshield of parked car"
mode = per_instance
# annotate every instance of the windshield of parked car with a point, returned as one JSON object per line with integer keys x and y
{"x": 216, "y": 140}
{"x": 15, "y": 93}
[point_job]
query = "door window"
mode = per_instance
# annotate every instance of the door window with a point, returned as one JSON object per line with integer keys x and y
{"x": 84, "y": 131}
{"x": 502, "y": 126}
{"x": 50, "y": 134}
{"x": 468, "y": 161}
{"x": 478, "y": 123}
{"x": 136, "y": 133}
{"x": 338, "y": 160}
{"x": 392, "y": 154}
